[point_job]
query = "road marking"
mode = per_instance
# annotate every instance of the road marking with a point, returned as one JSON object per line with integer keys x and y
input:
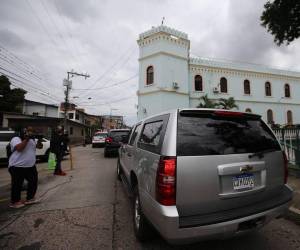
{"x": 5, "y": 199}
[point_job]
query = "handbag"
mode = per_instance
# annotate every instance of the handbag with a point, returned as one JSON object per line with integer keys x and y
{"x": 51, "y": 161}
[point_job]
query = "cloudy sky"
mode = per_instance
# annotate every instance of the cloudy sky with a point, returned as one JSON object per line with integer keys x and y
{"x": 40, "y": 40}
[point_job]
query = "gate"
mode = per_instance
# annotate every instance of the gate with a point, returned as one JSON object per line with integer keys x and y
{"x": 289, "y": 139}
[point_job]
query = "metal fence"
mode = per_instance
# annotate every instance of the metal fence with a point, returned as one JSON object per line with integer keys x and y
{"x": 290, "y": 141}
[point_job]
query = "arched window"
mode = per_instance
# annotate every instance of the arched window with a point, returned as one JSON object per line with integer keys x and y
{"x": 287, "y": 92}
{"x": 289, "y": 116}
{"x": 248, "y": 110}
{"x": 270, "y": 118}
{"x": 150, "y": 75}
{"x": 268, "y": 89}
{"x": 247, "y": 87}
{"x": 223, "y": 84}
{"x": 198, "y": 83}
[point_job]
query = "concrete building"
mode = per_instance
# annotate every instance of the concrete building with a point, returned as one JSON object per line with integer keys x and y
{"x": 170, "y": 78}
{"x": 39, "y": 109}
{"x": 111, "y": 122}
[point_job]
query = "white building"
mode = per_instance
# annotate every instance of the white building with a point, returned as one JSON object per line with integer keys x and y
{"x": 169, "y": 78}
{"x": 39, "y": 109}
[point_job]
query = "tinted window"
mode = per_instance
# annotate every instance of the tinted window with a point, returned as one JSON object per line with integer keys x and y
{"x": 100, "y": 135}
{"x": 151, "y": 133}
{"x": 134, "y": 134}
{"x": 207, "y": 134}
{"x": 6, "y": 136}
{"x": 117, "y": 135}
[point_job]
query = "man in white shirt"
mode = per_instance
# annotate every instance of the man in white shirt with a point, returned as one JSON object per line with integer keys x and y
{"x": 22, "y": 166}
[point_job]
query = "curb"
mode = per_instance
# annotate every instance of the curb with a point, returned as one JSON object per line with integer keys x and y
{"x": 293, "y": 214}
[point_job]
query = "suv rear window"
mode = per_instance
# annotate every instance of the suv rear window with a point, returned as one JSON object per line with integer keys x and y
{"x": 209, "y": 134}
{"x": 117, "y": 135}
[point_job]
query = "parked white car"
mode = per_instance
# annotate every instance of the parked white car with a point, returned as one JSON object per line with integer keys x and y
{"x": 6, "y": 136}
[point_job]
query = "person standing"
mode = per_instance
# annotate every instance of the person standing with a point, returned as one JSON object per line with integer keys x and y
{"x": 22, "y": 166}
{"x": 57, "y": 146}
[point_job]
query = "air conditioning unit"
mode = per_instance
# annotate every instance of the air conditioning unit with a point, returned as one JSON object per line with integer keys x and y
{"x": 175, "y": 85}
{"x": 216, "y": 90}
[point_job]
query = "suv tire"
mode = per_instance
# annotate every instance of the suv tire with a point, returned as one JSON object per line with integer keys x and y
{"x": 142, "y": 229}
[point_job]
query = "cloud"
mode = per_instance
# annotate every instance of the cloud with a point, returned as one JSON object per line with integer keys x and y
{"x": 99, "y": 37}
{"x": 13, "y": 40}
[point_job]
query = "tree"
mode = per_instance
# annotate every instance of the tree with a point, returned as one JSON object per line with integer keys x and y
{"x": 282, "y": 19}
{"x": 10, "y": 99}
{"x": 227, "y": 103}
{"x": 205, "y": 102}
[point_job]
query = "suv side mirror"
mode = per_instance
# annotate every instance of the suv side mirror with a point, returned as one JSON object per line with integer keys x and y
{"x": 125, "y": 139}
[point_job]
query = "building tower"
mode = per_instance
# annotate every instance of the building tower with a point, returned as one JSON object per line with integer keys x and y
{"x": 163, "y": 70}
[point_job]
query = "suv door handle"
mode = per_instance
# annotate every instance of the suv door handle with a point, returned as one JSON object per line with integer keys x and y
{"x": 129, "y": 155}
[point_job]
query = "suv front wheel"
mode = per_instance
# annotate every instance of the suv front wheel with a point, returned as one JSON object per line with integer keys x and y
{"x": 142, "y": 229}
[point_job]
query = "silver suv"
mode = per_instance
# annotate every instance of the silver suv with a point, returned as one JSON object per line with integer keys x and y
{"x": 199, "y": 174}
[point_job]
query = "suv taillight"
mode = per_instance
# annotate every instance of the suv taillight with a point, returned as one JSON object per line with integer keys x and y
{"x": 166, "y": 181}
{"x": 286, "y": 171}
{"x": 108, "y": 140}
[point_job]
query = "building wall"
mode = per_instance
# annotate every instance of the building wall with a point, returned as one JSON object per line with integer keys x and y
{"x": 256, "y": 101}
{"x": 172, "y": 63}
{"x": 168, "y": 54}
{"x": 40, "y": 109}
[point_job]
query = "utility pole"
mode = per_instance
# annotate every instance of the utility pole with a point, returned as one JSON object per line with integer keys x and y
{"x": 68, "y": 84}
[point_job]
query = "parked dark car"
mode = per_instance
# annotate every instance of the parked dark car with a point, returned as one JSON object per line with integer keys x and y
{"x": 114, "y": 140}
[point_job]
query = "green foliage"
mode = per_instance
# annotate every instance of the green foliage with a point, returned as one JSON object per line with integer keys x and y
{"x": 222, "y": 103}
{"x": 10, "y": 99}
{"x": 282, "y": 19}
{"x": 227, "y": 103}
{"x": 205, "y": 102}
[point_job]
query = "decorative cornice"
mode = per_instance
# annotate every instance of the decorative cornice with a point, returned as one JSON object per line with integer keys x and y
{"x": 242, "y": 67}
{"x": 251, "y": 101}
{"x": 165, "y": 29}
{"x": 163, "y": 53}
{"x": 139, "y": 93}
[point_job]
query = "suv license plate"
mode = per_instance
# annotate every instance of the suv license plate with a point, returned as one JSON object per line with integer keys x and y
{"x": 243, "y": 181}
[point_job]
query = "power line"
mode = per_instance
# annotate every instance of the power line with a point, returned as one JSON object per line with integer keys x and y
{"x": 67, "y": 29}
{"x": 56, "y": 27}
{"x": 36, "y": 93}
{"x": 44, "y": 29}
{"x": 108, "y": 70}
{"x": 112, "y": 85}
{"x": 27, "y": 68}
{"x": 25, "y": 83}
{"x": 25, "y": 64}
{"x": 106, "y": 103}
{"x": 11, "y": 62}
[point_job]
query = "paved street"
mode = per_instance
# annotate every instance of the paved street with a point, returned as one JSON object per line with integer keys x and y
{"x": 88, "y": 209}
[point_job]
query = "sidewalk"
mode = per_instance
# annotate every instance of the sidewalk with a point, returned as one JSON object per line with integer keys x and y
{"x": 45, "y": 176}
{"x": 294, "y": 210}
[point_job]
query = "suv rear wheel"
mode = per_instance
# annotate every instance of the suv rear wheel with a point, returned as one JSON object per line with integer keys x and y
{"x": 142, "y": 229}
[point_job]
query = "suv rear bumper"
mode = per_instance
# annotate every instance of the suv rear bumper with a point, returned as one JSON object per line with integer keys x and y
{"x": 166, "y": 220}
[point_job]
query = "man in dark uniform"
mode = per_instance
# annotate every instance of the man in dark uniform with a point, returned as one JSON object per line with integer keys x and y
{"x": 57, "y": 146}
